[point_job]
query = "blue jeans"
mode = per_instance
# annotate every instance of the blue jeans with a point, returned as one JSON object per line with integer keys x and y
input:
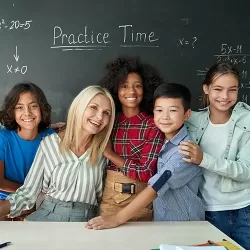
{"x": 233, "y": 223}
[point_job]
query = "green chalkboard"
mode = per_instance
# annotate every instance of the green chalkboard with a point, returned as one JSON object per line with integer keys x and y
{"x": 63, "y": 45}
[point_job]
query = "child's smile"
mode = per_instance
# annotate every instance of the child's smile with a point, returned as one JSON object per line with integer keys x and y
{"x": 27, "y": 114}
{"x": 130, "y": 93}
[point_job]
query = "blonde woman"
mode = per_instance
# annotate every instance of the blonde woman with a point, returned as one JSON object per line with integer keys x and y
{"x": 68, "y": 167}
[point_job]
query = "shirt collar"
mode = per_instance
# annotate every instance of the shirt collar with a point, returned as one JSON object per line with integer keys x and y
{"x": 179, "y": 136}
{"x": 134, "y": 119}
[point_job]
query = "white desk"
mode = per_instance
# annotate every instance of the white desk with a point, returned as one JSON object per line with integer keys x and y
{"x": 131, "y": 236}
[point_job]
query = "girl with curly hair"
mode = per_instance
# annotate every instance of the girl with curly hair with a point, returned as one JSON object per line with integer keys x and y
{"x": 136, "y": 141}
{"x": 25, "y": 114}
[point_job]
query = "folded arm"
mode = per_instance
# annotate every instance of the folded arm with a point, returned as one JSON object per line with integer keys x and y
{"x": 237, "y": 169}
{"x": 7, "y": 185}
{"x": 144, "y": 168}
{"x": 25, "y": 197}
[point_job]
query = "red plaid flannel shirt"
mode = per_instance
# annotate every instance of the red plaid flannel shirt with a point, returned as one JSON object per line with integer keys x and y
{"x": 139, "y": 142}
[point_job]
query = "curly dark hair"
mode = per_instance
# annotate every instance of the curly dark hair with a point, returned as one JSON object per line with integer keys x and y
{"x": 7, "y": 112}
{"x": 117, "y": 73}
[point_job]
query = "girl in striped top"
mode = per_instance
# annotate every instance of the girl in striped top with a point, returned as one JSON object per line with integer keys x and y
{"x": 68, "y": 167}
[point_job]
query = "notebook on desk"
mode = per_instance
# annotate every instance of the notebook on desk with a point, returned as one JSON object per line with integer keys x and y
{"x": 222, "y": 244}
{"x": 175, "y": 247}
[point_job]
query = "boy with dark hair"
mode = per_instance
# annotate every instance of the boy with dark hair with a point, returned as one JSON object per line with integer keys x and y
{"x": 174, "y": 187}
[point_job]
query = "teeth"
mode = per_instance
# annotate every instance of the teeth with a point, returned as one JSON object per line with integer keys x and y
{"x": 223, "y": 103}
{"x": 131, "y": 99}
{"x": 95, "y": 123}
{"x": 28, "y": 120}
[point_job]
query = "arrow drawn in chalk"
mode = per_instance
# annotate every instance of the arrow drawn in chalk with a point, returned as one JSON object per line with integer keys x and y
{"x": 16, "y": 56}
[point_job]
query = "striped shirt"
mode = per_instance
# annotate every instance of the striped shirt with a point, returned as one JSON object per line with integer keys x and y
{"x": 177, "y": 198}
{"x": 62, "y": 176}
{"x": 138, "y": 141}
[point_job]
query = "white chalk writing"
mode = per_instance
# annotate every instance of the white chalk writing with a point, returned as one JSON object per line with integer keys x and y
{"x": 15, "y": 24}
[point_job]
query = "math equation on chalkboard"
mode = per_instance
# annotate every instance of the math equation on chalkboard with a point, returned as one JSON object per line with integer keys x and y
{"x": 15, "y": 24}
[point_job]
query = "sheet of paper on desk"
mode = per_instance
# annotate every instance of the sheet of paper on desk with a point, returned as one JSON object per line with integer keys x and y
{"x": 174, "y": 247}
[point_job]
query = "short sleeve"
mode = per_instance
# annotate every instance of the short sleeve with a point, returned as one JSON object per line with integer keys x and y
{"x": 3, "y": 142}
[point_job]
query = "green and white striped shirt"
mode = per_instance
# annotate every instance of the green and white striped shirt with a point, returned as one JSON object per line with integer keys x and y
{"x": 62, "y": 176}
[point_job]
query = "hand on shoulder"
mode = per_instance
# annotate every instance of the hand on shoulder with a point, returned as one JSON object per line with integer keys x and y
{"x": 192, "y": 150}
{"x": 59, "y": 126}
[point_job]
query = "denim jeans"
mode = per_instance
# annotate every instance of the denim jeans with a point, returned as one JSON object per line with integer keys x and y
{"x": 234, "y": 223}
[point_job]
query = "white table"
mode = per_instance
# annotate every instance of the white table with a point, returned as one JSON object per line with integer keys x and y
{"x": 131, "y": 236}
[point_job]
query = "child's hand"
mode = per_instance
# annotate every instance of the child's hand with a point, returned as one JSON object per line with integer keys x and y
{"x": 102, "y": 222}
{"x": 27, "y": 212}
{"x": 192, "y": 150}
{"x": 58, "y": 126}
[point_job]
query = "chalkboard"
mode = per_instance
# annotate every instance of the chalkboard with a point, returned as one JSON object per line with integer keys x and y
{"x": 63, "y": 45}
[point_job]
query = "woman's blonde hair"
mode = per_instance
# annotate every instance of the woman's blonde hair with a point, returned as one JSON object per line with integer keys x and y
{"x": 74, "y": 124}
